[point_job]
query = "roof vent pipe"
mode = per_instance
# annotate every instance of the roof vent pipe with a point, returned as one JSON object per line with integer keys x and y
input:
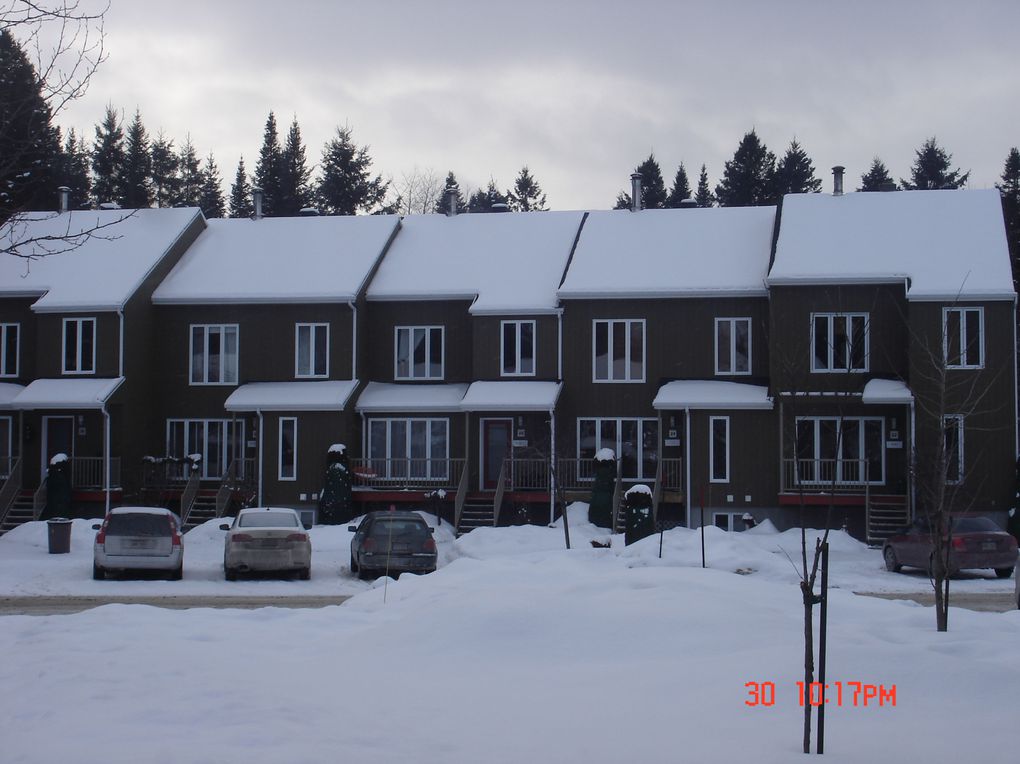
{"x": 64, "y": 194}
{"x": 635, "y": 192}
{"x": 837, "y": 180}
{"x": 256, "y": 198}
{"x": 451, "y": 201}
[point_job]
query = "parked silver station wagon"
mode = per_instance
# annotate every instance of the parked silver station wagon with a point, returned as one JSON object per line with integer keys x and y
{"x": 266, "y": 539}
{"x": 139, "y": 538}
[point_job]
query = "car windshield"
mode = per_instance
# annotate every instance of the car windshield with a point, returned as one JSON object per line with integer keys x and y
{"x": 399, "y": 527}
{"x": 142, "y": 524}
{"x": 974, "y": 525}
{"x": 268, "y": 520}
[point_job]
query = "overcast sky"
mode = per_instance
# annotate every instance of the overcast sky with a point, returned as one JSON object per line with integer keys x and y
{"x": 580, "y": 91}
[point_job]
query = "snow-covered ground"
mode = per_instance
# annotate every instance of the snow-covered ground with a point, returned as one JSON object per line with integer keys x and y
{"x": 515, "y": 650}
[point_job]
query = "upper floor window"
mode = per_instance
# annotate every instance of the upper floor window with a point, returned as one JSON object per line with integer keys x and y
{"x": 214, "y": 354}
{"x": 839, "y": 342}
{"x": 733, "y": 346}
{"x": 517, "y": 353}
{"x": 9, "y": 349}
{"x": 311, "y": 356}
{"x": 79, "y": 346}
{"x": 618, "y": 350}
{"x": 418, "y": 352}
{"x": 963, "y": 333}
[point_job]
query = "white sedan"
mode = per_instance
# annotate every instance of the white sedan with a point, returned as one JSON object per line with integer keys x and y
{"x": 266, "y": 539}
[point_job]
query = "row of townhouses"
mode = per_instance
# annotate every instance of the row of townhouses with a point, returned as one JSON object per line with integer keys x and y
{"x": 777, "y": 362}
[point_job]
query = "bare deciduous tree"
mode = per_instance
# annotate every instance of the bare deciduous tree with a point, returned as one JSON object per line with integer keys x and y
{"x": 419, "y": 190}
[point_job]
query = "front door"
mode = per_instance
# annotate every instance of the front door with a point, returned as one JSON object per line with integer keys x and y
{"x": 58, "y": 438}
{"x": 496, "y": 437}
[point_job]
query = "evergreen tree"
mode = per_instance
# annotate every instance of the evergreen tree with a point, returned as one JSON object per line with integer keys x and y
{"x": 269, "y": 168}
{"x": 74, "y": 170}
{"x": 747, "y": 179}
{"x": 165, "y": 180}
{"x": 931, "y": 169}
{"x": 442, "y": 205}
{"x": 653, "y": 188}
{"x": 484, "y": 201}
{"x": 681, "y": 189}
{"x": 795, "y": 174}
{"x": 108, "y": 159}
{"x": 29, "y": 143}
{"x": 704, "y": 196}
{"x": 241, "y": 205}
{"x": 294, "y": 194}
{"x": 136, "y": 191}
{"x": 189, "y": 192}
{"x": 1010, "y": 191}
{"x": 526, "y": 195}
{"x": 346, "y": 185}
{"x": 211, "y": 197}
{"x": 877, "y": 178}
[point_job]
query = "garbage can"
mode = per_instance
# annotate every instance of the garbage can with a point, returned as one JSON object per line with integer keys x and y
{"x": 59, "y": 532}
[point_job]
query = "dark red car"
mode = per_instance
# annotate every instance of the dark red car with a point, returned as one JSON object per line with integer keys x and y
{"x": 976, "y": 542}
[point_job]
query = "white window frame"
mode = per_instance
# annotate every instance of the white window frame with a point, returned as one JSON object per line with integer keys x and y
{"x": 958, "y": 420}
{"x": 78, "y": 333}
{"x": 608, "y": 323}
{"x": 711, "y": 449}
{"x": 517, "y": 357}
{"x": 428, "y": 329}
{"x": 6, "y": 329}
{"x": 962, "y": 338}
{"x": 840, "y": 421}
{"x": 231, "y": 429}
{"x": 733, "y": 346}
{"x": 598, "y": 420}
{"x": 207, "y": 329}
{"x": 830, "y": 343}
{"x": 281, "y": 423}
{"x": 387, "y": 473}
{"x": 312, "y": 330}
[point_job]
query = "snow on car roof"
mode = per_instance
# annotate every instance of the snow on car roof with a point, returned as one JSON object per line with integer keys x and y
{"x": 141, "y": 511}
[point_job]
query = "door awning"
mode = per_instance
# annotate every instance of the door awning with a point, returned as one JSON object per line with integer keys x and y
{"x": 887, "y": 391}
{"x": 711, "y": 394}
{"x": 380, "y": 397}
{"x": 515, "y": 395}
{"x": 292, "y": 396}
{"x": 66, "y": 394}
{"x": 8, "y": 392}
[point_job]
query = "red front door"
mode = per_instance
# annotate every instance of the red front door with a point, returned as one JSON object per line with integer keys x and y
{"x": 496, "y": 437}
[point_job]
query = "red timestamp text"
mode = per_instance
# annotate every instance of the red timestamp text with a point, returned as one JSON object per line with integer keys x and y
{"x": 856, "y": 694}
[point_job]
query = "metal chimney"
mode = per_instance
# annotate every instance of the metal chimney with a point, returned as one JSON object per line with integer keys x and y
{"x": 451, "y": 201}
{"x": 837, "y": 180}
{"x": 256, "y": 198}
{"x": 635, "y": 192}
{"x": 65, "y": 198}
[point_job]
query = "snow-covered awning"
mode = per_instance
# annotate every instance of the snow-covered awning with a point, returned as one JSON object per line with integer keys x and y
{"x": 8, "y": 392}
{"x": 515, "y": 395}
{"x": 712, "y": 394}
{"x": 887, "y": 391}
{"x": 291, "y": 396}
{"x": 384, "y": 396}
{"x": 71, "y": 394}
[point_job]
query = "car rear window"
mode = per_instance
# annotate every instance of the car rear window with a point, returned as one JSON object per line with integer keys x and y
{"x": 268, "y": 520}
{"x": 399, "y": 527}
{"x": 138, "y": 525}
{"x": 974, "y": 525}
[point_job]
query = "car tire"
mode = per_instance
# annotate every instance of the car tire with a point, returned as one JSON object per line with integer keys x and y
{"x": 98, "y": 573}
{"x": 363, "y": 574}
{"x": 230, "y": 574}
{"x": 354, "y": 565}
{"x": 305, "y": 574}
{"x": 177, "y": 573}
{"x": 1003, "y": 572}
{"x": 891, "y": 563}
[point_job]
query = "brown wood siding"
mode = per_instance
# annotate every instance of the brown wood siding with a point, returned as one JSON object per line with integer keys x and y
{"x": 18, "y": 310}
{"x": 384, "y": 317}
{"x": 316, "y": 432}
{"x": 50, "y": 342}
{"x": 753, "y": 436}
{"x": 488, "y": 340}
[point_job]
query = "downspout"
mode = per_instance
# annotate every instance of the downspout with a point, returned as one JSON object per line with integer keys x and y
{"x": 559, "y": 344}
{"x": 687, "y": 458}
{"x": 913, "y": 460}
{"x": 261, "y": 460}
{"x": 552, "y": 467}
{"x": 120, "y": 315}
{"x": 1016, "y": 413}
{"x": 106, "y": 454}
{"x": 354, "y": 339}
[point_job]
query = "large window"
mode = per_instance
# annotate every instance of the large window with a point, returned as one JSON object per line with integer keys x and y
{"x": 409, "y": 448}
{"x": 963, "y": 337}
{"x": 288, "y": 448}
{"x": 952, "y": 433}
{"x": 79, "y": 346}
{"x": 311, "y": 355}
{"x": 849, "y": 450}
{"x": 733, "y": 346}
{"x": 9, "y": 349}
{"x": 634, "y": 441}
{"x": 839, "y": 342}
{"x": 418, "y": 352}
{"x": 211, "y": 439}
{"x": 618, "y": 350}
{"x": 719, "y": 449}
{"x": 214, "y": 354}
{"x": 517, "y": 349}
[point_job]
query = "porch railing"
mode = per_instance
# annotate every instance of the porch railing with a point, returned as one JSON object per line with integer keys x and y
{"x": 189, "y": 495}
{"x": 39, "y": 500}
{"x": 408, "y": 474}
{"x": 618, "y": 522}
{"x": 12, "y": 486}
{"x": 458, "y": 504}
{"x": 240, "y": 474}
{"x": 90, "y": 472}
{"x": 526, "y": 474}
{"x": 575, "y": 473}
{"x": 497, "y": 500}
{"x": 826, "y": 476}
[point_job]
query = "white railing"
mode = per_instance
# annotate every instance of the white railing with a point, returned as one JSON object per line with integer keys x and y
{"x": 458, "y": 504}
{"x": 12, "y": 487}
{"x": 407, "y": 474}
{"x": 497, "y": 500}
{"x": 826, "y": 475}
{"x": 90, "y": 472}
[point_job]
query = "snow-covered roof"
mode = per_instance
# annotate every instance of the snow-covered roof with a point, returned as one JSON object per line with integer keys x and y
{"x": 300, "y": 259}
{"x": 514, "y": 395}
{"x": 672, "y": 253}
{"x": 291, "y": 396}
{"x": 78, "y": 393}
{"x": 506, "y": 262}
{"x": 886, "y": 391}
{"x": 944, "y": 243}
{"x": 385, "y": 396}
{"x": 711, "y": 394}
{"x": 100, "y": 257}
{"x": 8, "y": 392}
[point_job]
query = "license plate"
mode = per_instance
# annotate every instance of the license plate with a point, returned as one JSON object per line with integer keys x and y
{"x": 988, "y": 546}
{"x": 268, "y": 543}
{"x": 401, "y": 548}
{"x": 141, "y": 544}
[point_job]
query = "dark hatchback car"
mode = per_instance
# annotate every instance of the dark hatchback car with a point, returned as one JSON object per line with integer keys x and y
{"x": 392, "y": 543}
{"x": 976, "y": 542}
